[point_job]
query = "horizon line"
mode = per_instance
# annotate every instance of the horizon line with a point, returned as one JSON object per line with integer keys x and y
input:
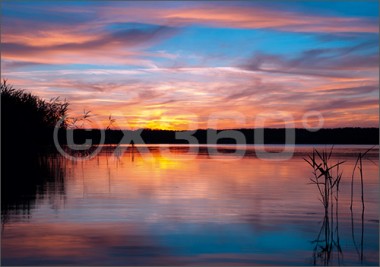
{"x": 226, "y": 129}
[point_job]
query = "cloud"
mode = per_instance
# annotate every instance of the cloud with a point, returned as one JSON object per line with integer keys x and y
{"x": 106, "y": 60}
{"x": 257, "y": 17}
{"x": 326, "y": 62}
{"x": 138, "y": 98}
{"x": 105, "y": 45}
{"x": 366, "y": 89}
{"x": 52, "y": 35}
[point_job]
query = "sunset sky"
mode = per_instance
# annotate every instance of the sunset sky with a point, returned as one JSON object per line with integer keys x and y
{"x": 172, "y": 65}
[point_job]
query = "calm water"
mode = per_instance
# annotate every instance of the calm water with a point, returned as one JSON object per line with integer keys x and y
{"x": 186, "y": 209}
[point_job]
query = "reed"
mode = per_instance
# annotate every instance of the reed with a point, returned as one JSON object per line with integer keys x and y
{"x": 323, "y": 177}
{"x": 328, "y": 187}
{"x": 28, "y": 120}
{"x": 326, "y": 177}
{"x": 42, "y": 112}
{"x": 359, "y": 165}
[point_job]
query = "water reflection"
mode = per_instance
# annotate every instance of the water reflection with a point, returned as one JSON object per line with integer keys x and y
{"x": 29, "y": 178}
{"x": 174, "y": 209}
{"x": 327, "y": 243}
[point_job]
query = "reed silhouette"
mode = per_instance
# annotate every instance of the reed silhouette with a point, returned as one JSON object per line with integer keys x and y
{"x": 323, "y": 177}
{"x": 328, "y": 187}
{"x": 29, "y": 164}
{"x": 27, "y": 120}
{"x": 359, "y": 166}
{"x": 327, "y": 243}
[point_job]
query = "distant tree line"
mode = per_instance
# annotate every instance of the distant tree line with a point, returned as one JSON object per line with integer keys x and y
{"x": 271, "y": 136}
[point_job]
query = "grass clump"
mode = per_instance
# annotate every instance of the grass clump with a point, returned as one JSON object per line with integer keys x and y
{"x": 26, "y": 119}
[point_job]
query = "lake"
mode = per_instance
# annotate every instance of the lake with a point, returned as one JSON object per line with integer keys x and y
{"x": 178, "y": 207}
